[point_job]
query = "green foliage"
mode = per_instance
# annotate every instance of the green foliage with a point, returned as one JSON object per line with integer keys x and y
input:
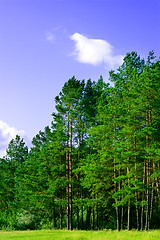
{"x": 98, "y": 165}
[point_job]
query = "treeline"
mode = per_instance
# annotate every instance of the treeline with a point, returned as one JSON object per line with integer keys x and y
{"x": 98, "y": 165}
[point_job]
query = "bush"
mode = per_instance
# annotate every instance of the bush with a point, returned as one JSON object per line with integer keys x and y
{"x": 26, "y": 220}
{"x": 7, "y": 220}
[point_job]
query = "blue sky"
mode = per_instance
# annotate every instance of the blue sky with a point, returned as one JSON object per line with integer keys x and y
{"x": 43, "y": 43}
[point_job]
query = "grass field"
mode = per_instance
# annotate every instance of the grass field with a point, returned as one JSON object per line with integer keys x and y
{"x": 79, "y": 235}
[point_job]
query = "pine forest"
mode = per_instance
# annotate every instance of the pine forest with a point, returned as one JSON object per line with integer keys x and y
{"x": 97, "y": 165}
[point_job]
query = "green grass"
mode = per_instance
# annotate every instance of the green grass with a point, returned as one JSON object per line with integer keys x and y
{"x": 79, "y": 235}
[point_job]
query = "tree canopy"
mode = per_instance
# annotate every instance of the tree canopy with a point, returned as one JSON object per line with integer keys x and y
{"x": 98, "y": 164}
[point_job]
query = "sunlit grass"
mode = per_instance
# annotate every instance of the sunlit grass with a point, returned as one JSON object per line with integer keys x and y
{"x": 79, "y": 235}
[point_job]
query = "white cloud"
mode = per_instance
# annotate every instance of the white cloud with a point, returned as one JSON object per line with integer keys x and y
{"x": 54, "y": 34}
{"x": 95, "y": 51}
{"x": 50, "y": 36}
{"x": 7, "y": 133}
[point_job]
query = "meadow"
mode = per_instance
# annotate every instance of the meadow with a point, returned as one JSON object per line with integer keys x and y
{"x": 79, "y": 235}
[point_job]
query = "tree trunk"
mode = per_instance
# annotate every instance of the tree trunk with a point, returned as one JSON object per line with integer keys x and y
{"x": 67, "y": 175}
{"x": 77, "y": 217}
{"x": 70, "y": 183}
{"x": 129, "y": 209}
{"x": 114, "y": 169}
{"x": 136, "y": 194}
{"x": 147, "y": 198}
{"x": 122, "y": 216}
{"x": 61, "y": 210}
{"x": 137, "y": 214}
{"x": 96, "y": 216}
{"x": 147, "y": 172}
{"x": 61, "y": 217}
{"x": 79, "y": 155}
{"x": 142, "y": 212}
{"x": 117, "y": 217}
{"x": 152, "y": 192}
{"x": 70, "y": 177}
{"x": 54, "y": 219}
{"x": 88, "y": 217}
{"x": 151, "y": 207}
{"x": 129, "y": 203}
{"x": 93, "y": 218}
{"x": 82, "y": 221}
{"x": 82, "y": 218}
